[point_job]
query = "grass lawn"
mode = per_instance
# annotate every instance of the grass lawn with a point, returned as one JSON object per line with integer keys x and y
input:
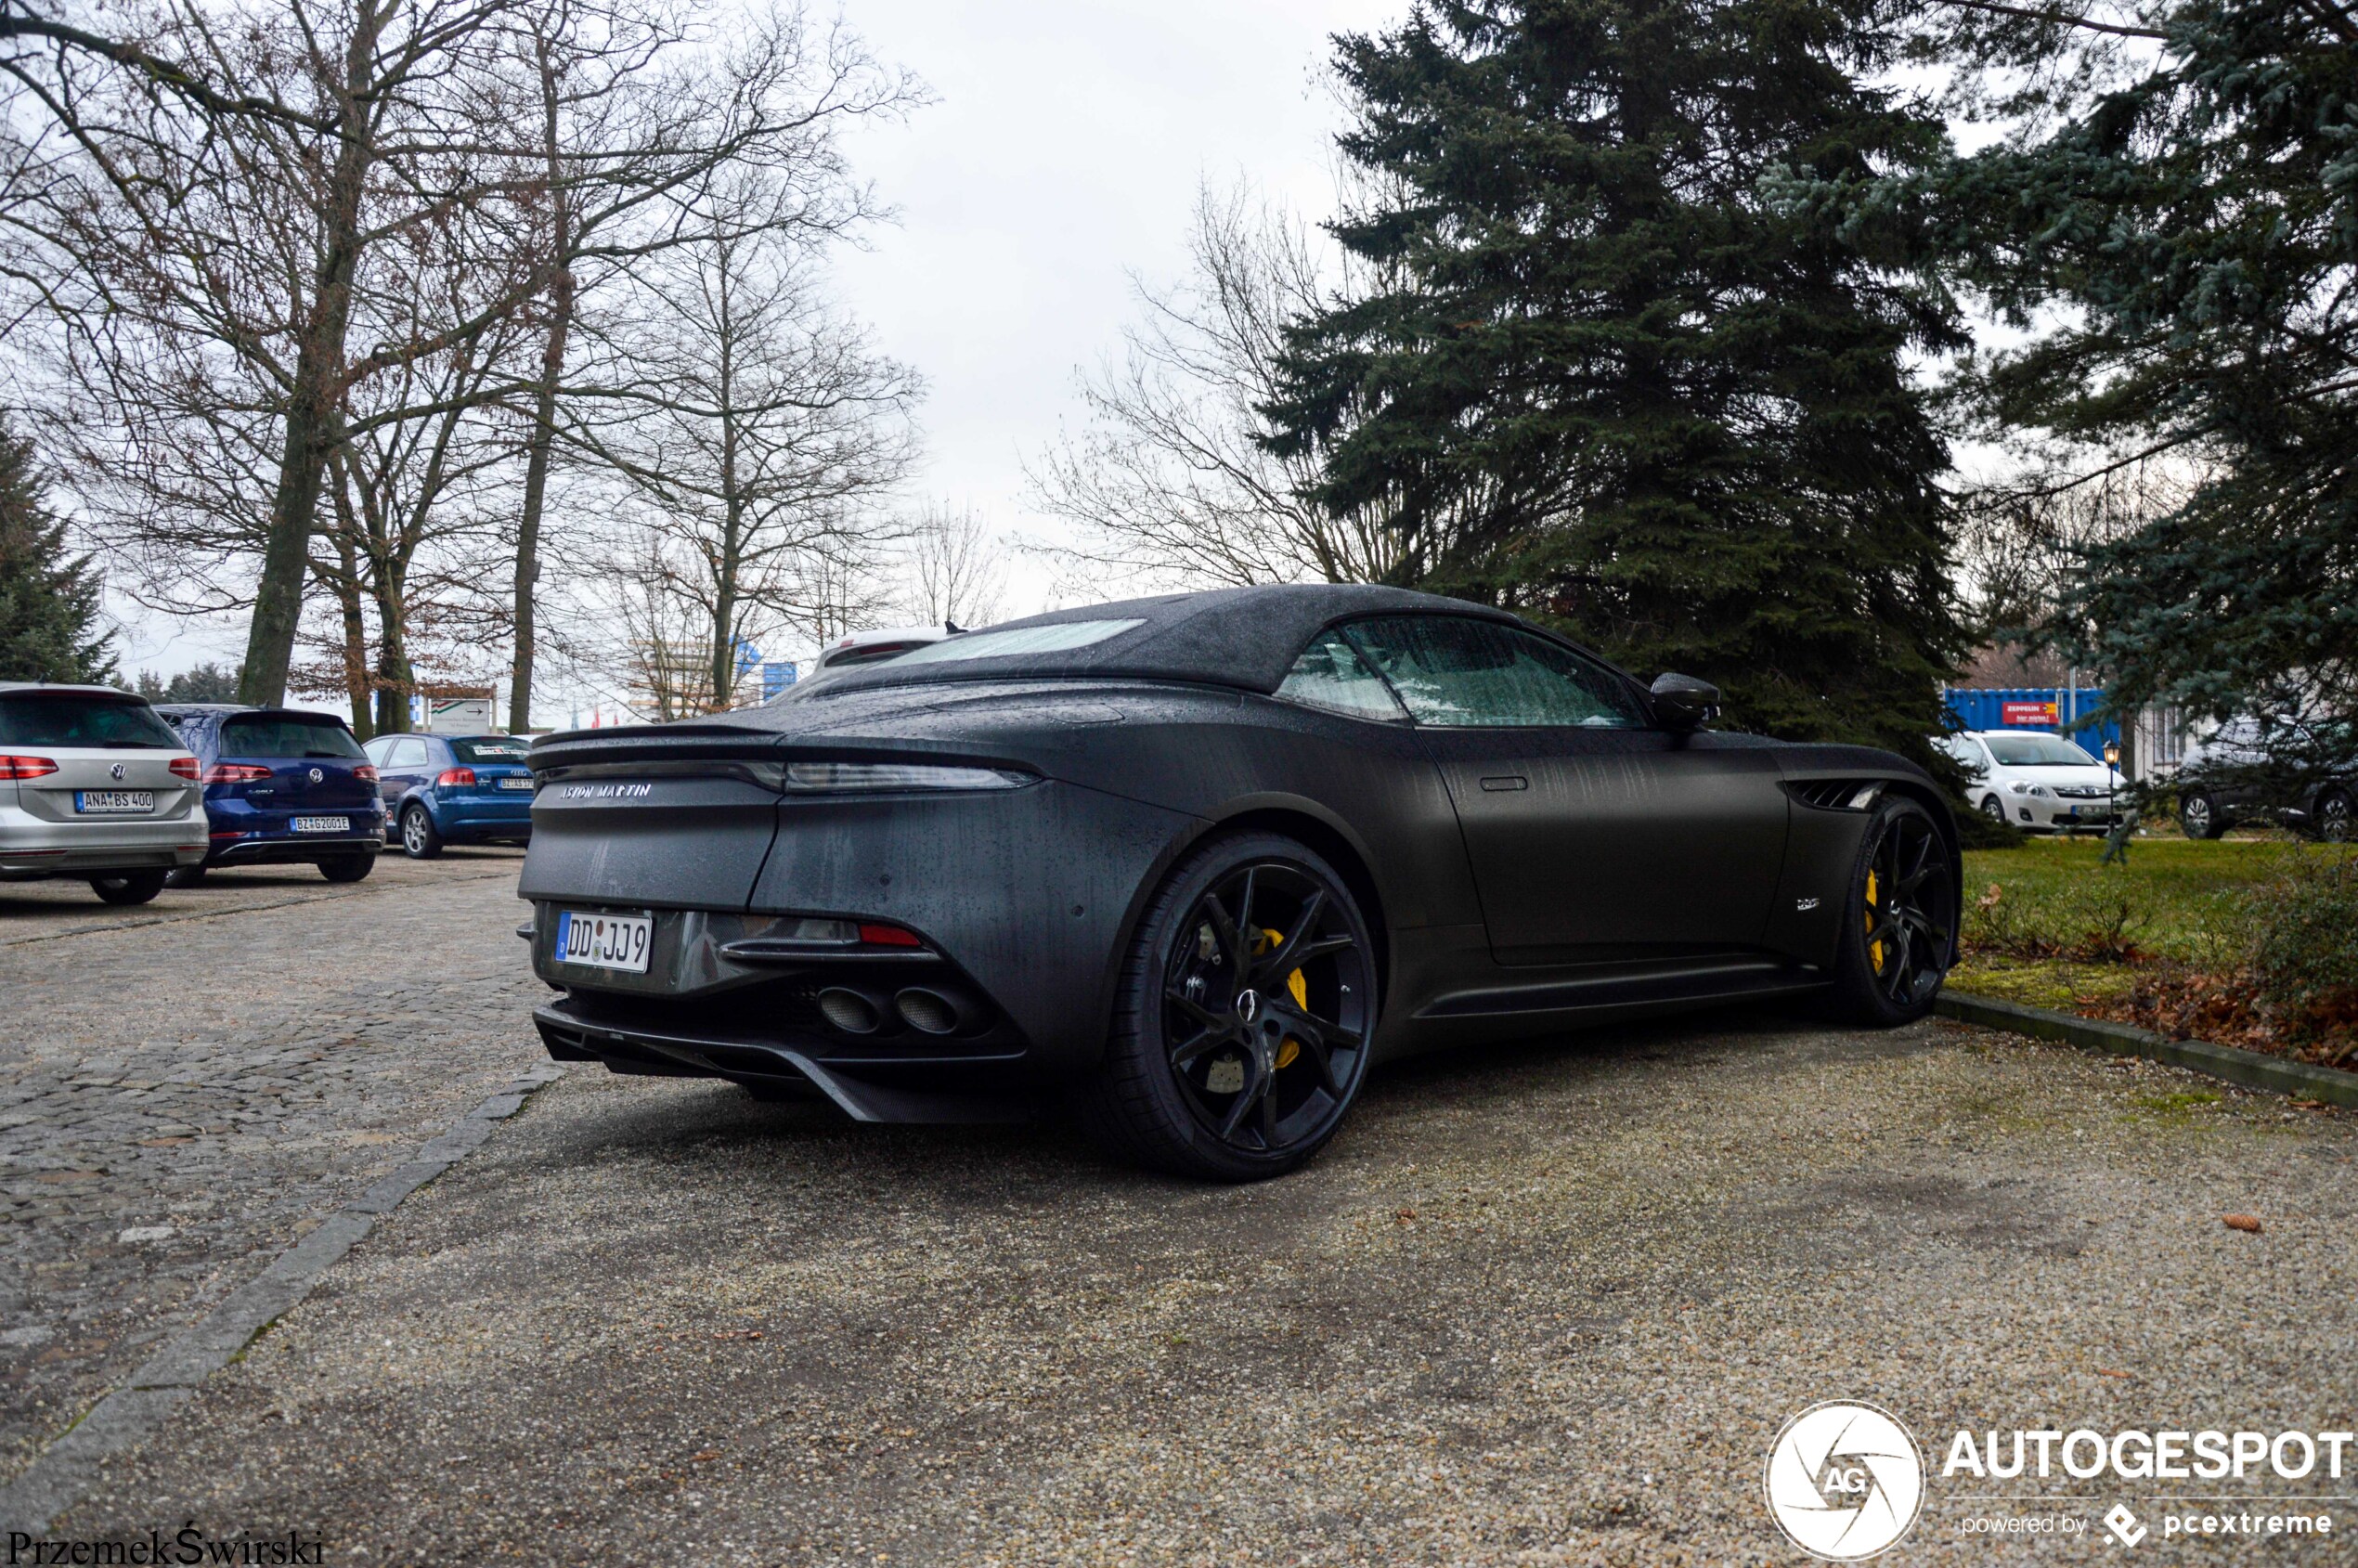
{"x": 2176, "y": 899}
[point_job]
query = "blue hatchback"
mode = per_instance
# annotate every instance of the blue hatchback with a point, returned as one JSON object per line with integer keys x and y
{"x": 454, "y": 789}
{"x": 280, "y": 787}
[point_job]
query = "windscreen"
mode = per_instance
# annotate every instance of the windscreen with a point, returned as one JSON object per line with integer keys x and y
{"x": 80, "y": 719}
{"x": 287, "y": 734}
{"x": 491, "y": 748}
{"x": 2036, "y": 751}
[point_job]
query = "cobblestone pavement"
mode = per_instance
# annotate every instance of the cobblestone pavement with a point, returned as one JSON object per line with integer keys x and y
{"x": 186, "y": 1086}
{"x": 1541, "y": 1305}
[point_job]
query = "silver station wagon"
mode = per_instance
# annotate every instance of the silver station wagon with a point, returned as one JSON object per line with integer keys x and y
{"x": 94, "y": 785}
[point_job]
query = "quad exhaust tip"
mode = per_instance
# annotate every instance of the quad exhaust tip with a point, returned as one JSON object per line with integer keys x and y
{"x": 848, "y": 1010}
{"x": 926, "y": 1009}
{"x": 931, "y": 1012}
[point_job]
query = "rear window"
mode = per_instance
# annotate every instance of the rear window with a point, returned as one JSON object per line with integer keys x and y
{"x": 287, "y": 734}
{"x": 71, "y": 718}
{"x": 492, "y": 750}
{"x": 1055, "y": 638}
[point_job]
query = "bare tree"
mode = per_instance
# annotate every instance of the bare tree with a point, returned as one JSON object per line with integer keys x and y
{"x": 636, "y": 113}
{"x": 758, "y": 431}
{"x": 954, "y": 568}
{"x": 1171, "y": 476}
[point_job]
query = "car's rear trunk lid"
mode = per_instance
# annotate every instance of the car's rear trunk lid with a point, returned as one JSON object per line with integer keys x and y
{"x": 680, "y": 816}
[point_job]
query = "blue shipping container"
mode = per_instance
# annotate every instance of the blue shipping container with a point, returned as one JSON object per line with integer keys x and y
{"x": 2034, "y": 707}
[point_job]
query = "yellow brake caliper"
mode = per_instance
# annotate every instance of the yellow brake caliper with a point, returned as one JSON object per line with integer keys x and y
{"x": 1874, "y": 950}
{"x": 1295, "y": 986}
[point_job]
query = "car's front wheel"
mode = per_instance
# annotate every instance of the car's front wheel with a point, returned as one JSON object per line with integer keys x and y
{"x": 1899, "y": 924}
{"x": 130, "y": 887}
{"x": 348, "y": 868}
{"x": 1241, "y": 1028}
{"x": 2198, "y": 815}
{"x": 420, "y": 839}
{"x": 1993, "y": 807}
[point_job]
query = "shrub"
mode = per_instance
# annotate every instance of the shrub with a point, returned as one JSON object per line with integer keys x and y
{"x": 2304, "y": 954}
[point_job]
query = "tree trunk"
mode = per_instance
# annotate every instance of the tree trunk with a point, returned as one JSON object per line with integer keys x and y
{"x": 394, "y": 680}
{"x": 544, "y": 408}
{"x": 312, "y": 430}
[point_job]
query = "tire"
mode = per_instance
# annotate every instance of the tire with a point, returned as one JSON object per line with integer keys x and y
{"x": 186, "y": 875}
{"x": 2337, "y": 817}
{"x": 348, "y": 868}
{"x": 130, "y": 887}
{"x": 1260, "y": 1075}
{"x": 1993, "y": 807}
{"x": 2198, "y": 815}
{"x": 420, "y": 838}
{"x": 1892, "y": 980}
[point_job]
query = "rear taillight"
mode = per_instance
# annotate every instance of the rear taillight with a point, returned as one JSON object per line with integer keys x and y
{"x": 878, "y": 935}
{"x": 183, "y": 768}
{"x": 26, "y": 767}
{"x": 234, "y": 773}
{"x": 455, "y": 778}
{"x": 365, "y": 774}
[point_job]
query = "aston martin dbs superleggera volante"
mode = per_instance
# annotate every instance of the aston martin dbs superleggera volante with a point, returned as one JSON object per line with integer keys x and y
{"x": 1192, "y": 864}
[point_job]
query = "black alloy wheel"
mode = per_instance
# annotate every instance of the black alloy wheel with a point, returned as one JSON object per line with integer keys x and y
{"x": 2334, "y": 817}
{"x": 2197, "y": 816}
{"x": 420, "y": 840}
{"x": 1241, "y": 1032}
{"x": 1901, "y": 933}
{"x": 129, "y": 887}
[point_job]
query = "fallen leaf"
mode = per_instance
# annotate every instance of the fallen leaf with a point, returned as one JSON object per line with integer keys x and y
{"x": 702, "y": 1454}
{"x": 1989, "y": 900}
{"x": 2109, "y": 1372}
{"x": 2241, "y": 1222}
{"x": 1404, "y": 1215}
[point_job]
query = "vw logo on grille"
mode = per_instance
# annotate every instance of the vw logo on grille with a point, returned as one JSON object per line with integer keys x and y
{"x": 316, "y": 775}
{"x": 116, "y": 770}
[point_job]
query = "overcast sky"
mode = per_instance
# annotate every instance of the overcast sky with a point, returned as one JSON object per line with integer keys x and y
{"x": 1061, "y": 153}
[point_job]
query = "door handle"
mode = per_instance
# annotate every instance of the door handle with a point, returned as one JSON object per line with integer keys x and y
{"x": 1508, "y": 782}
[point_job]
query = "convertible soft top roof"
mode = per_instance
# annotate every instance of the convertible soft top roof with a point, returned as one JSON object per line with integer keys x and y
{"x": 1246, "y": 637}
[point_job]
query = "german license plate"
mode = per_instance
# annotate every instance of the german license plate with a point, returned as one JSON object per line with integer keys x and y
{"x": 320, "y": 824}
{"x": 100, "y": 802}
{"x": 605, "y": 942}
{"x": 515, "y": 784}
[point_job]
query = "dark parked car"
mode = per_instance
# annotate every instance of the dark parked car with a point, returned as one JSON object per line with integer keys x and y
{"x": 2230, "y": 779}
{"x": 1196, "y": 861}
{"x": 453, "y": 790}
{"x": 281, "y": 788}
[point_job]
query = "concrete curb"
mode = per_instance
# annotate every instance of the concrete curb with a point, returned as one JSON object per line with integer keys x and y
{"x": 2249, "y": 1068}
{"x": 62, "y": 1475}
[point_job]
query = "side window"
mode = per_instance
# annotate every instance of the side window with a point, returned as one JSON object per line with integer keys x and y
{"x": 1331, "y": 675}
{"x": 377, "y": 750}
{"x": 408, "y": 752}
{"x": 1456, "y": 672}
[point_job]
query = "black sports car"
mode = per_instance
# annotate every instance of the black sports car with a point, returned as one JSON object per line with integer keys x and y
{"x": 1193, "y": 864}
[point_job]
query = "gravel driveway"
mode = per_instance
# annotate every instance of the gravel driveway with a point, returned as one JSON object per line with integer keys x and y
{"x": 1536, "y": 1305}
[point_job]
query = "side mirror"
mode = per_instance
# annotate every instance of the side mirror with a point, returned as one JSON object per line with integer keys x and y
{"x": 1681, "y": 702}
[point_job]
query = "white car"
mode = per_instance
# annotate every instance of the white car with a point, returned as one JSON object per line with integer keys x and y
{"x": 2035, "y": 780}
{"x": 92, "y": 786}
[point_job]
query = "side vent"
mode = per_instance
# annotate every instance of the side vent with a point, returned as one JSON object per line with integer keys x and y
{"x": 1836, "y": 794}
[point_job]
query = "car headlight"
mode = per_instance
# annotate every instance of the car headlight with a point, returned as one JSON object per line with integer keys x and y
{"x": 2029, "y": 789}
{"x": 870, "y": 776}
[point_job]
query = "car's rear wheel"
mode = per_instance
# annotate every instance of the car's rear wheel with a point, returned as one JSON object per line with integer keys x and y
{"x": 130, "y": 887}
{"x": 2334, "y": 817}
{"x": 348, "y": 868}
{"x": 2198, "y": 815}
{"x": 1899, "y": 929}
{"x": 420, "y": 839}
{"x": 1240, "y": 1033}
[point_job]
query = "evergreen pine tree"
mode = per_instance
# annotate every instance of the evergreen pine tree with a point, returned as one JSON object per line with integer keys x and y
{"x": 1640, "y": 362}
{"x": 48, "y": 599}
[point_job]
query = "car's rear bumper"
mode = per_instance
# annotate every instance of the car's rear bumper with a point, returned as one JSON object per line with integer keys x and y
{"x": 306, "y": 850}
{"x": 31, "y": 847}
{"x": 983, "y": 1085}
